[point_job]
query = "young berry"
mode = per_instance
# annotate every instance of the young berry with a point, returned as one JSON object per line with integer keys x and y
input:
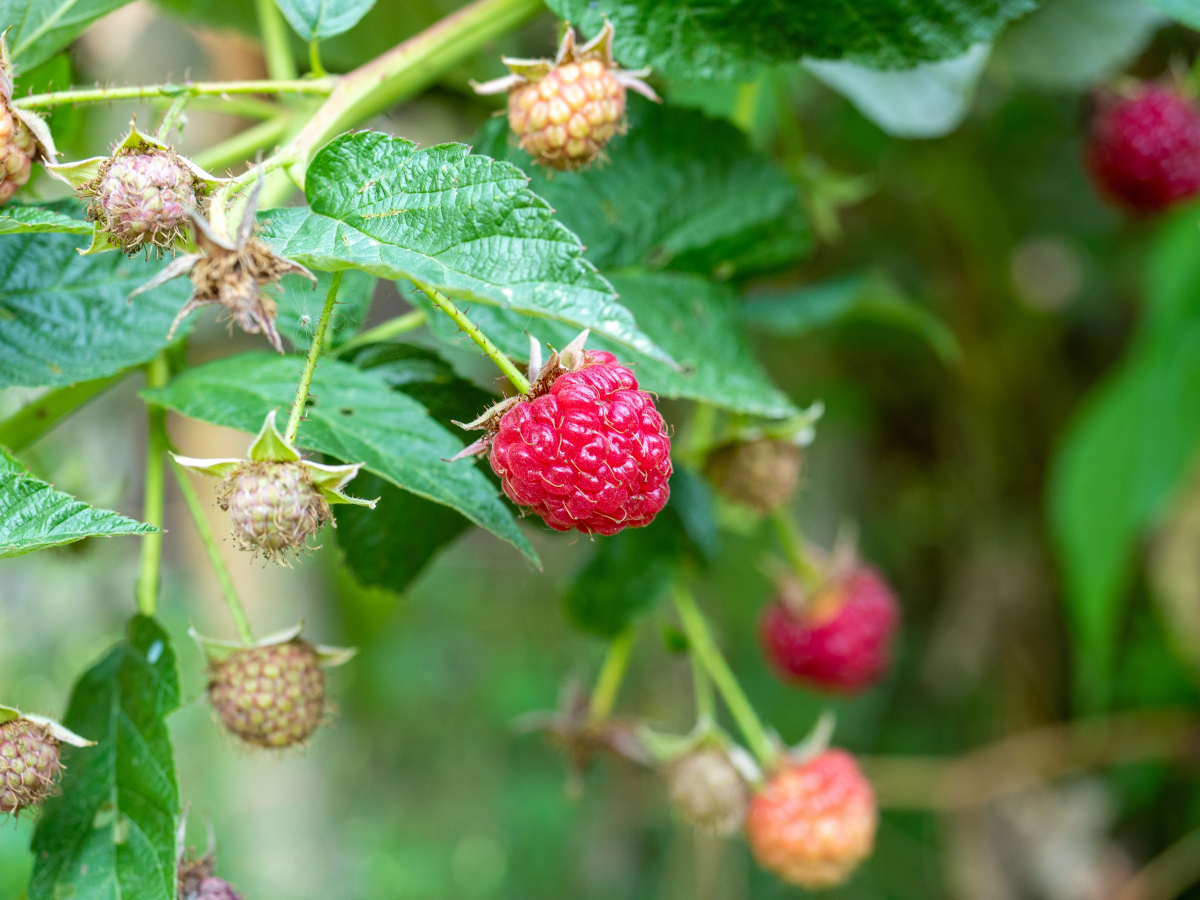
{"x": 274, "y": 507}
{"x": 1144, "y": 151}
{"x": 24, "y": 136}
{"x": 839, "y": 638}
{"x": 142, "y": 199}
{"x": 814, "y": 822}
{"x": 29, "y": 764}
{"x": 564, "y": 112}
{"x": 270, "y": 696}
{"x": 761, "y": 474}
{"x": 590, "y": 453}
{"x": 708, "y": 791}
{"x": 195, "y": 878}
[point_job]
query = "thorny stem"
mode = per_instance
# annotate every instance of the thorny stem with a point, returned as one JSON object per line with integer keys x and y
{"x": 310, "y": 366}
{"x": 388, "y": 330}
{"x": 171, "y": 116}
{"x": 793, "y": 546}
{"x": 157, "y": 373}
{"x": 196, "y": 508}
{"x": 312, "y": 86}
{"x": 519, "y": 381}
{"x": 274, "y": 32}
{"x": 604, "y": 695}
{"x": 703, "y": 647}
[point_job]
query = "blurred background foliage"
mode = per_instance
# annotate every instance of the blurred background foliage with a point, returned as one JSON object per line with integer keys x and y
{"x": 1011, "y": 377}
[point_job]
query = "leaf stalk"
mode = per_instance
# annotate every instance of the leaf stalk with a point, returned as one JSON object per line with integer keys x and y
{"x": 612, "y": 673}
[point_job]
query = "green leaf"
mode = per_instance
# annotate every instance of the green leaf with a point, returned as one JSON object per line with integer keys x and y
{"x": 792, "y": 312}
{"x": 299, "y": 307}
{"x": 693, "y": 319}
{"x": 681, "y": 190}
{"x": 34, "y": 516}
{"x": 353, "y": 416}
{"x": 461, "y": 223}
{"x": 320, "y": 19}
{"x": 111, "y": 834}
{"x": 1185, "y": 11}
{"x": 64, "y": 216}
{"x": 728, "y": 40}
{"x": 40, "y": 28}
{"x": 65, "y": 318}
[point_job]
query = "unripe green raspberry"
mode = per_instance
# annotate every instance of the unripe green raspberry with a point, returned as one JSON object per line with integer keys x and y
{"x": 708, "y": 790}
{"x": 18, "y": 148}
{"x": 29, "y": 764}
{"x": 274, "y": 507}
{"x": 271, "y": 696}
{"x": 143, "y": 199}
{"x": 761, "y": 474}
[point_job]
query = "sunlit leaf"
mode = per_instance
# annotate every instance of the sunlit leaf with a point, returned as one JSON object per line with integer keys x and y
{"x": 321, "y": 19}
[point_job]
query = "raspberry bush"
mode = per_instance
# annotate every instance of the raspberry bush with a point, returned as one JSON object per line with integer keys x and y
{"x": 610, "y": 304}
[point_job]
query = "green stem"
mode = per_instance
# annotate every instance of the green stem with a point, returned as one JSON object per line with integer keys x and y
{"x": 196, "y": 508}
{"x": 520, "y": 382}
{"x": 704, "y": 647}
{"x": 171, "y": 116}
{"x": 604, "y": 695}
{"x": 280, "y": 62}
{"x": 244, "y": 144}
{"x": 310, "y": 365}
{"x": 312, "y": 86}
{"x": 314, "y": 58}
{"x": 793, "y": 545}
{"x": 410, "y": 321}
{"x": 243, "y": 107}
{"x": 34, "y": 419}
{"x": 157, "y": 373}
{"x": 407, "y": 68}
{"x": 706, "y": 708}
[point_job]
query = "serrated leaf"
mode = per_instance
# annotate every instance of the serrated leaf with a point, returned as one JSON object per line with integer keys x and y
{"x": 33, "y": 515}
{"x": 792, "y": 312}
{"x": 65, "y": 318}
{"x": 40, "y": 28}
{"x": 464, "y": 224}
{"x": 352, "y": 416}
{"x": 681, "y": 190}
{"x": 693, "y": 319}
{"x": 111, "y": 834}
{"x": 728, "y": 40}
{"x": 320, "y": 19}
{"x": 63, "y": 216}
{"x": 300, "y": 303}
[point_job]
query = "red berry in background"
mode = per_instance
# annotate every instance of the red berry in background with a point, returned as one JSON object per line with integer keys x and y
{"x": 838, "y": 639}
{"x": 813, "y": 822}
{"x": 1145, "y": 151}
{"x": 589, "y": 453}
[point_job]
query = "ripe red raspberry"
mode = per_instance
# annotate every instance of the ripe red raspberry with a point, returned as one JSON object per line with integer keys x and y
{"x": 814, "y": 822}
{"x": 270, "y": 696}
{"x": 29, "y": 764}
{"x": 839, "y": 640}
{"x": 591, "y": 453}
{"x": 1145, "y": 151}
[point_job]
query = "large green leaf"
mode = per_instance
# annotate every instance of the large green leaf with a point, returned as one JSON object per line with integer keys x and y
{"x": 40, "y": 28}
{"x": 1127, "y": 455}
{"x": 464, "y": 224}
{"x": 320, "y": 19}
{"x": 693, "y": 319}
{"x": 353, "y": 416}
{"x": 33, "y": 515}
{"x": 681, "y": 190}
{"x": 65, "y": 318}
{"x": 111, "y": 834}
{"x": 730, "y": 39}
{"x": 1185, "y": 11}
{"x": 64, "y": 216}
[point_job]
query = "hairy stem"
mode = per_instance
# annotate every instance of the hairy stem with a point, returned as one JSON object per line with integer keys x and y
{"x": 410, "y": 321}
{"x": 274, "y": 33}
{"x": 34, "y": 419}
{"x": 157, "y": 373}
{"x": 519, "y": 381}
{"x": 171, "y": 116}
{"x": 244, "y": 144}
{"x": 196, "y": 508}
{"x": 310, "y": 86}
{"x": 793, "y": 546}
{"x": 604, "y": 695}
{"x": 310, "y": 365}
{"x": 703, "y": 647}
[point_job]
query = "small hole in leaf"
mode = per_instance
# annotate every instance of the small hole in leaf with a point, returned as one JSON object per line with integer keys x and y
{"x": 346, "y": 411}
{"x": 310, "y": 402}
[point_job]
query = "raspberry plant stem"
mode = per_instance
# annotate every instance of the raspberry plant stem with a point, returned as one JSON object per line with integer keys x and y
{"x": 157, "y": 373}
{"x": 274, "y": 32}
{"x": 612, "y": 673}
{"x": 388, "y": 330}
{"x": 706, "y": 709}
{"x": 196, "y": 508}
{"x": 310, "y": 365}
{"x": 519, "y": 381}
{"x": 244, "y": 144}
{"x": 793, "y": 546}
{"x": 703, "y": 647}
{"x": 311, "y": 86}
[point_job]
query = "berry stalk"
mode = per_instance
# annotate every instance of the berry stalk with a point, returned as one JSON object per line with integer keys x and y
{"x": 410, "y": 321}
{"x": 245, "y": 144}
{"x": 612, "y": 673}
{"x": 196, "y": 508}
{"x": 519, "y": 381}
{"x": 703, "y": 647}
{"x": 706, "y": 707}
{"x": 157, "y": 373}
{"x": 310, "y": 365}
{"x": 793, "y": 547}
{"x": 273, "y": 31}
